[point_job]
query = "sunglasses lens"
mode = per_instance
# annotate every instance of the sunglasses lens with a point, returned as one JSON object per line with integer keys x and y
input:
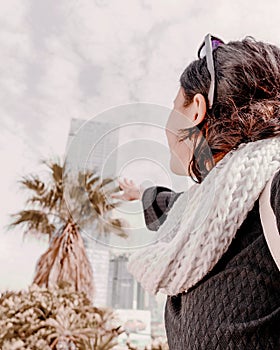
{"x": 215, "y": 43}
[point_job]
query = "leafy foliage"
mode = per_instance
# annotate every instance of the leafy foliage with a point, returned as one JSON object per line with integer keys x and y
{"x": 55, "y": 318}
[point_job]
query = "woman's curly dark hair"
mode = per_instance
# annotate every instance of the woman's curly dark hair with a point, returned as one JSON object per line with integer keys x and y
{"x": 246, "y": 104}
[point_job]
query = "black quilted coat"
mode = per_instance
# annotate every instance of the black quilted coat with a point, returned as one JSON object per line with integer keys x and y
{"x": 236, "y": 306}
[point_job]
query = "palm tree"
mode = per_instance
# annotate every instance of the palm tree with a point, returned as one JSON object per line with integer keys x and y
{"x": 61, "y": 207}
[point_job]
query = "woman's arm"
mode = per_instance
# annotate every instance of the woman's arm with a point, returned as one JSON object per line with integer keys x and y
{"x": 156, "y": 202}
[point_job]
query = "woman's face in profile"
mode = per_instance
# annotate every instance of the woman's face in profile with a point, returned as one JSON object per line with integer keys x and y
{"x": 180, "y": 151}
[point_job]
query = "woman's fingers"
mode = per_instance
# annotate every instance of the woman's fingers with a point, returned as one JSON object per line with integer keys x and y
{"x": 126, "y": 181}
{"x": 128, "y": 190}
{"x": 127, "y": 185}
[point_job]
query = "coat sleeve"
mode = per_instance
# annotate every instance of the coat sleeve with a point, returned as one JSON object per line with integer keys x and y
{"x": 275, "y": 197}
{"x": 157, "y": 201}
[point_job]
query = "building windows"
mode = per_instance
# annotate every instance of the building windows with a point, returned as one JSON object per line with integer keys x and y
{"x": 123, "y": 291}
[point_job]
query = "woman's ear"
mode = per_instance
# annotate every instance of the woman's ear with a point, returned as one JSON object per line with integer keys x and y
{"x": 198, "y": 108}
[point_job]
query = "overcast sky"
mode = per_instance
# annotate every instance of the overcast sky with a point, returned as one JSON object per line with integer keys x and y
{"x": 77, "y": 58}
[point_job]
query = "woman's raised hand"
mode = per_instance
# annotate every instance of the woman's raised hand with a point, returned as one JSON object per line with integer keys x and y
{"x": 129, "y": 191}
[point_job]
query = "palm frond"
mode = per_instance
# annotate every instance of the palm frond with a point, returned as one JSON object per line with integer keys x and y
{"x": 56, "y": 168}
{"x": 91, "y": 179}
{"x": 117, "y": 227}
{"x": 33, "y": 183}
{"x": 108, "y": 226}
{"x": 57, "y": 174}
{"x": 97, "y": 201}
{"x": 105, "y": 182}
{"x": 34, "y": 220}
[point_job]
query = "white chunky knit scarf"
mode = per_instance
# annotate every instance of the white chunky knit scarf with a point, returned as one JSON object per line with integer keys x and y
{"x": 203, "y": 221}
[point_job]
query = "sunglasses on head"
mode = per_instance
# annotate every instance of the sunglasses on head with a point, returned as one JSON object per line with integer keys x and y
{"x": 206, "y": 49}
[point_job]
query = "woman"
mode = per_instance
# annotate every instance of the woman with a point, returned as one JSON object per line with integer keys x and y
{"x": 211, "y": 257}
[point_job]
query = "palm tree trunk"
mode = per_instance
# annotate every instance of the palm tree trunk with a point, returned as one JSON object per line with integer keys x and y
{"x": 66, "y": 261}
